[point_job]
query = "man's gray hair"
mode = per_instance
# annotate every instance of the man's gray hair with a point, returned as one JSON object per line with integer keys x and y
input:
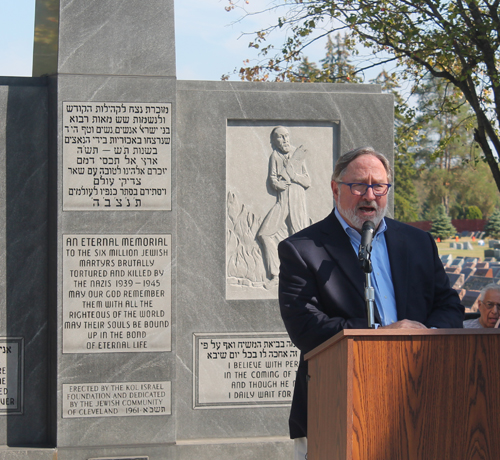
{"x": 489, "y": 287}
{"x": 344, "y": 161}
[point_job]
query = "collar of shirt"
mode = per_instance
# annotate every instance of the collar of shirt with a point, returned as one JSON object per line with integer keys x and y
{"x": 353, "y": 234}
{"x": 381, "y": 276}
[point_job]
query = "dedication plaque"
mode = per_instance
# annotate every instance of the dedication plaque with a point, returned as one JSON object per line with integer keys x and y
{"x": 116, "y": 293}
{"x": 11, "y": 375}
{"x": 117, "y": 156}
{"x": 245, "y": 369}
{"x": 116, "y": 399}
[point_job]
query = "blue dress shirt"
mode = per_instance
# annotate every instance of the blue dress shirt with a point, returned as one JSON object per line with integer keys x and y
{"x": 381, "y": 276}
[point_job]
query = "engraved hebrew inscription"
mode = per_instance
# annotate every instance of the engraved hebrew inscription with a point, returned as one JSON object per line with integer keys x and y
{"x": 116, "y": 293}
{"x": 244, "y": 370}
{"x": 116, "y": 156}
{"x": 116, "y": 399}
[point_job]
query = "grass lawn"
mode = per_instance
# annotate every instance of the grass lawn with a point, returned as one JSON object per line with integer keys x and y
{"x": 478, "y": 251}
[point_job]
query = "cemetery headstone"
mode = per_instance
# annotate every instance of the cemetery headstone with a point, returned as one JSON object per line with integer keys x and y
{"x": 476, "y": 283}
{"x": 467, "y": 272}
{"x": 486, "y": 272}
{"x": 470, "y": 300}
{"x": 446, "y": 259}
{"x": 471, "y": 260}
{"x": 456, "y": 280}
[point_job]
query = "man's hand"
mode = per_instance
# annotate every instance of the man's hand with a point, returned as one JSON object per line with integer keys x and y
{"x": 282, "y": 185}
{"x": 405, "y": 324}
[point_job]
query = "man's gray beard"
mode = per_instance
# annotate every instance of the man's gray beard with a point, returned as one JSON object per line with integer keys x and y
{"x": 356, "y": 221}
{"x": 285, "y": 149}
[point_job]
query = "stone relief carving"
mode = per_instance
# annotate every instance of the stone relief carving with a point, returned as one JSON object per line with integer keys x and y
{"x": 288, "y": 176}
{"x": 277, "y": 182}
{"x": 252, "y": 240}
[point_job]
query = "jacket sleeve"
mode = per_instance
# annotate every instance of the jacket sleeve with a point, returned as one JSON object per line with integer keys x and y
{"x": 447, "y": 312}
{"x": 310, "y": 315}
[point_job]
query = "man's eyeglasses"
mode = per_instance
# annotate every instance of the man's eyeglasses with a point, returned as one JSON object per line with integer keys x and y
{"x": 361, "y": 189}
{"x": 490, "y": 305}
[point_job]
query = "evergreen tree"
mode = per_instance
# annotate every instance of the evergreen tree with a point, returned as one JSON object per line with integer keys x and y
{"x": 441, "y": 225}
{"x": 405, "y": 194}
{"x": 492, "y": 227}
{"x": 335, "y": 66}
{"x": 406, "y": 207}
{"x": 308, "y": 71}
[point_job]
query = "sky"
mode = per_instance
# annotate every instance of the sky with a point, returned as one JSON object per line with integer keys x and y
{"x": 209, "y": 41}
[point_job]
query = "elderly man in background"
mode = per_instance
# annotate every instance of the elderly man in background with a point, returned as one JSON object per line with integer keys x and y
{"x": 489, "y": 308}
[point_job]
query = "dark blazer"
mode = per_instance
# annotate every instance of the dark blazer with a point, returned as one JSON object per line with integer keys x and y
{"x": 321, "y": 290}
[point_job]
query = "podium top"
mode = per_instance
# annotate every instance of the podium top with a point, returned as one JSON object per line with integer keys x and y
{"x": 376, "y": 333}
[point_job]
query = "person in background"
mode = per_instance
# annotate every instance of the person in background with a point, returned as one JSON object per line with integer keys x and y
{"x": 489, "y": 308}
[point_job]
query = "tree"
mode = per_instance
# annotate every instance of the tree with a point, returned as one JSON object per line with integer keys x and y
{"x": 473, "y": 212}
{"x": 457, "y": 189}
{"x": 445, "y": 125}
{"x": 335, "y": 66}
{"x": 451, "y": 171}
{"x": 406, "y": 208}
{"x": 405, "y": 193}
{"x": 455, "y": 41}
{"x": 492, "y": 227}
{"x": 441, "y": 225}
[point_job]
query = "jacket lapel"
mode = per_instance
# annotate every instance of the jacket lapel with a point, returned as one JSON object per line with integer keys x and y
{"x": 337, "y": 244}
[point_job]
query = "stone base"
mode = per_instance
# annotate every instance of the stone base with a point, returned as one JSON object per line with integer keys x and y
{"x": 276, "y": 448}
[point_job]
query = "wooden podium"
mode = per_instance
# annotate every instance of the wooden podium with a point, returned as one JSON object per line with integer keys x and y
{"x": 416, "y": 395}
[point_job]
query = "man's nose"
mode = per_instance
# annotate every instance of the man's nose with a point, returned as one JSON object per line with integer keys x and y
{"x": 370, "y": 195}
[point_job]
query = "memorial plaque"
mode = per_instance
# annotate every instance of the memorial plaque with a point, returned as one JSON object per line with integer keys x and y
{"x": 246, "y": 369}
{"x": 116, "y": 399}
{"x": 116, "y": 293}
{"x": 116, "y": 156}
{"x": 11, "y": 375}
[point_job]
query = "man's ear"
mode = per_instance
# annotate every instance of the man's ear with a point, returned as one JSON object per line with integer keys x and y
{"x": 335, "y": 190}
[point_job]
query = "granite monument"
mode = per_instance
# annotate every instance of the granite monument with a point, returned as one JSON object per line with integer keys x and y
{"x": 139, "y": 315}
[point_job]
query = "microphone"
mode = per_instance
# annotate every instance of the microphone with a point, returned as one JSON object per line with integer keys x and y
{"x": 364, "y": 257}
{"x": 365, "y": 248}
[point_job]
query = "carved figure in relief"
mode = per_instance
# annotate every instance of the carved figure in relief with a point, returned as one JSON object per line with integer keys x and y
{"x": 289, "y": 177}
{"x": 252, "y": 239}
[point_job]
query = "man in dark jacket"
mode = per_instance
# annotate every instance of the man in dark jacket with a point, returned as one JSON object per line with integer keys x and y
{"x": 321, "y": 284}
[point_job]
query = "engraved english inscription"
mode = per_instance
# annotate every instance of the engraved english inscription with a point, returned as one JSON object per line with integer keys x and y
{"x": 117, "y": 293}
{"x": 117, "y": 156}
{"x": 116, "y": 399}
{"x": 245, "y": 369}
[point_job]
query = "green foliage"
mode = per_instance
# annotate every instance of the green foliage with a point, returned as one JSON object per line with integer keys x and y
{"x": 473, "y": 212}
{"x": 459, "y": 188}
{"x": 405, "y": 193}
{"x": 444, "y": 125}
{"x": 492, "y": 227}
{"x": 441, "y": 225}
{"x": 456, "y": 42}
{"x": 335, "y": 66}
